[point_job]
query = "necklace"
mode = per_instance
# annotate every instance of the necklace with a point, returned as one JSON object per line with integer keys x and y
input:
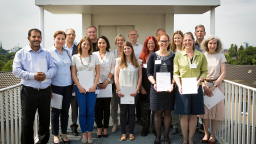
{"x": 87, "y": 63}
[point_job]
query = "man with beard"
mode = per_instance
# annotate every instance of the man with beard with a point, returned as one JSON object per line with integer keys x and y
{"x": 36, "y": 90}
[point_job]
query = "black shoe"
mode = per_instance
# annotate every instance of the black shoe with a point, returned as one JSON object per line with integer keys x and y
{"x": 65, "y": 142}
{"x": 105, "y": 136}
{"x": 167, "y": 140}
{"x": 157, "y": 140}
{"x": 174, "y": 131}
{"x": 144, "y": 133}
{"x": 74, "y": 129}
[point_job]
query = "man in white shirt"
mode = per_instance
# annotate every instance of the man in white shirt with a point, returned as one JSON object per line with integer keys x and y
{"x": 133, "y": 36}
{"x": 91, "y": 32}
{"x": 72, "y": 49}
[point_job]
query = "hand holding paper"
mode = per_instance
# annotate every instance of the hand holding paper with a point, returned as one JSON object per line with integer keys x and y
{"x": 163, "y": 80}
{"x": 216, "y": 98}
{"x": 127, "y": 99}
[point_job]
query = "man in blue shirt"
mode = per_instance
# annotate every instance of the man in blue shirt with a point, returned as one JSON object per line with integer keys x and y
{"x": 35, "y": 67}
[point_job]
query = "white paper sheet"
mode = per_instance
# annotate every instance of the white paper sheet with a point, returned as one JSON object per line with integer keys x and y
{"x": 163, "y": 81}
{"x": 42, "y": 64}
{"x": 213, "y": 100}
{"x": 85, "y": 79}
{"x": 56, "y": 101}
{"x": 127, "y": 99}
{"x": 105, "y": 93}
{"x": 189, "y": 85}
{"x": 73, "y": 94}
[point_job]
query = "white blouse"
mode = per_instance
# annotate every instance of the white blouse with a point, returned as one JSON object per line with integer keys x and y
{"x": 76, "y": 61}
{"x": 128, "y": 77}
{"x": 107, "y": 66}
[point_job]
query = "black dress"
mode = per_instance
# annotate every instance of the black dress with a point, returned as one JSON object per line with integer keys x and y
{"x": 160, "y": 101}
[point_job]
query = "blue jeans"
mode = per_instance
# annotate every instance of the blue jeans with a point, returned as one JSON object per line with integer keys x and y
{"x": 86, "y": 103}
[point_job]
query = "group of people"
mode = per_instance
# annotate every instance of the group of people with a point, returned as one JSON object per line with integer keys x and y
{"x": 129, "y": 65}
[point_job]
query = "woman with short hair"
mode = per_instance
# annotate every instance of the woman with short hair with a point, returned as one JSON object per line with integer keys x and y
{"x": 216, "y": 73}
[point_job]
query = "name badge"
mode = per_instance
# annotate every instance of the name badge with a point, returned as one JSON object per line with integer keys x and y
{"x": 144, "y": 65}
{"x": 157, "y": 61}
{"x": 104, "y": 65}
{"x": 66, "y": 61}
{"x": 192, "y": 65}
{"x": 97, "y": 91}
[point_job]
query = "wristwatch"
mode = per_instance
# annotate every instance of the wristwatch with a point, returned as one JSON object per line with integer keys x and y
{"x": 108, "y": 79}
{"x": 215, "y": 85}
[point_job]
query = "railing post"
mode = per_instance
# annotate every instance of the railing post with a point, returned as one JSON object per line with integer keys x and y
{"x": 232, "y": 115}
{"x": 7, "y": 117}
{"x": 239, "y": 113}
{"x": 2, "y": 117}
{"x": 236, "y": 109}
{"x": 249, "y": 118}
{"x": 253, "y": 117}
{"x": 244, "y": 114}
{"x": 16, "y": 117}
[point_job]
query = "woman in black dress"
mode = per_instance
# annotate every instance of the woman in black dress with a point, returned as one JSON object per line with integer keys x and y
{"x": 150, "y": 46}
{"x": 161, "y": 102}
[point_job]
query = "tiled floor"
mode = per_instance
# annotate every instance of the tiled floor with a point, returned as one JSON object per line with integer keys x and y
{"x": 114, "y": 138}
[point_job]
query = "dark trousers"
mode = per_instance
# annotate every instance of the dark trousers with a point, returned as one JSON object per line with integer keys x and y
{"x": 74, "y": 112}
{"x": 138, "y": 109}
{"x": 124, "y": 109}
{"x": 102, "y": 111}
{"x": 66, "y": 92}
{"x": 145, "y": 115}
{"x": 31, "y": 100}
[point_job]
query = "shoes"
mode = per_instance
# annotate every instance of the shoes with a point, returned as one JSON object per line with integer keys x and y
{"x": 74, "y": 131}
{"x": 211, "y": 142}
{"x": 90, "y": 141}
{"x": 144, "y": 133}
{"x": 132, "y": 138}
{"x": 157, "y": 140}
{"x": 204, "y": 141}
{"x": 105, "y": 136}
{"x": 99, "y": 136}
{"x": 114, "y": 129}
{"x": 56, "y": 143}
{"x": 65, "y": 142}
{"x": 123, "y": 138}
{"x": 84, "y": 141}
{"x": 167, "y": 140}
{"x": 174, "y": 131}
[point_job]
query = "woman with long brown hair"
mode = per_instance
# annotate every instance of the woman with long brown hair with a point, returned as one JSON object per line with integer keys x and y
{"x": 128, "y": 74}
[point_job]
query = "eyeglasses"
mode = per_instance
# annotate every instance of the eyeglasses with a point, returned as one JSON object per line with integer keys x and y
{"x": 161, "y": 41}
{"x": 133, "y": 34}
{"x": 71, "y": 34}
{"x": 151, "y": 43}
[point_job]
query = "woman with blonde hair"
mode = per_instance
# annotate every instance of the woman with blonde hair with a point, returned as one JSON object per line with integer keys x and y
{"x": 216, "y": 73}
{"x": 85, "y": 61}
{"x": 128, "y": 74}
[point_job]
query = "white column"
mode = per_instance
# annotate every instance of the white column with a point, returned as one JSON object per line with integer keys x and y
{"x": 86, "y": 22}
{"x": 41, "y": 23}
{"x": 169, "y": 24}
{"x": 212, "y": 21}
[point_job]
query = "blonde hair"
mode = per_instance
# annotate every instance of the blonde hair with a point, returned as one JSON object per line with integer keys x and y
{"x": 189, "y": 33}
{"x": 119, "y": 35}
{"x": 204, "y": 44}
{"x": 123, "y": 63}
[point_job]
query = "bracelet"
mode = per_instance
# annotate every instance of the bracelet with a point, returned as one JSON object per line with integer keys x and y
{"x": 154, "y": 83}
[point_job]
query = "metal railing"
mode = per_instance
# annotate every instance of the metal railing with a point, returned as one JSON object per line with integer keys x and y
{"x": 239, "y": 124}
{"x": 237, "y": 128}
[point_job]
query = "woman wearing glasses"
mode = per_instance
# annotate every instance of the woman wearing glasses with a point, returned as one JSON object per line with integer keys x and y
{"x": 150, "y": 46}
{"x": 85, "y": 61}
{"x": 189, "y": 63}
{"x": 161, "y": 102}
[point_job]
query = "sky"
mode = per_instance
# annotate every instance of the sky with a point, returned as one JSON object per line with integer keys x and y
{"x": 234, "y": 22}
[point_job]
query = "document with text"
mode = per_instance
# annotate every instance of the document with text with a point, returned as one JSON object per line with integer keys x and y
{"x": 127, "y": 99}
{"x": 163, "y": 81}
{"x": 189, "y": 85}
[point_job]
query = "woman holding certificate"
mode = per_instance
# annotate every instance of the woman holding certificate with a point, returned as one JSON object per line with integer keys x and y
{"x": 62, "y": 85}
{"x": 128, "y": 80}
{"x": 159, "y": 72}
{"x": 216, "y": 73}
{"x": 190, "y": 69}
{"x": 150, "y": 46}
{"x": 119, "y": 40}
{"x": 107, "y": 66}
{"x": 86, "y": 73}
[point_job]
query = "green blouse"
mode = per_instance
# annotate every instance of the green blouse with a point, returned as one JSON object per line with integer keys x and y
{"x": 182, "y": 65}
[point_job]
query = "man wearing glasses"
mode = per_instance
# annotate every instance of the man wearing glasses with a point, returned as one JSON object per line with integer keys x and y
{"x": 72, "y": 49}
{"x": 91, "y": 32}
{"x": 133, "y": 36}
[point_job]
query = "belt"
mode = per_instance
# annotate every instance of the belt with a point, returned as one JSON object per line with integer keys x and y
{"x": 210, "y": 80}
{"x": 37, "y": 89}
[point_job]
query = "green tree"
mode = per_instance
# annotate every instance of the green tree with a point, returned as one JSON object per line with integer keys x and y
{"x": 9, "y": 56}
{"x": 241, "y": 48}
{"x": 8, "y": 66}
{"x": 231, "y": 51}
{"x": 1, "y": 64}
{"x": 229, "y": 59}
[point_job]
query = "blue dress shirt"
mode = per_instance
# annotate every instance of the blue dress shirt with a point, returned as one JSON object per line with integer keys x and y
{"x": 70, "y": 50}
{"x": 25, "y": 66}
{"x": 63, "y": 63}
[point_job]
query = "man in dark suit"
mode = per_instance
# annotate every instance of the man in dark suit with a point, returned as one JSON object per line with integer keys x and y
{"x": 72, "y": 49}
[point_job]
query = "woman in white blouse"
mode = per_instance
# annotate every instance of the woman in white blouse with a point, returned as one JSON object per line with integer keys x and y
{"x": 81, "y": 62}
{"x": 107, "y": 66}
{"x": 128, "y": 73}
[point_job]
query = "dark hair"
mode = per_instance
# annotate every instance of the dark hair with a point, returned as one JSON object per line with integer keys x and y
{"x": 59, "y": 32}
{"x": 80, "y": 45}
{"x": 145, "y": 51}
{"x": 34, "y": 29}
{"x": 106, "y": 40}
